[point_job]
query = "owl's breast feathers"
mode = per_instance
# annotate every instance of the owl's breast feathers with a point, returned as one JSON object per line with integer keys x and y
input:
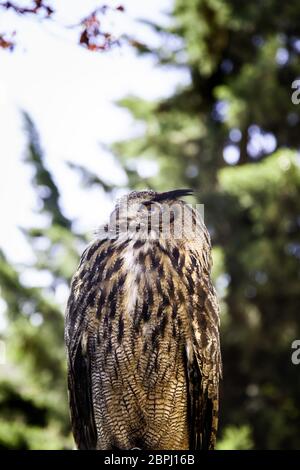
{"x": 142, "y": 333}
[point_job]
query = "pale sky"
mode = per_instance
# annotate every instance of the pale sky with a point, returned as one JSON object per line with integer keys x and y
{"x": 69, "y": 93}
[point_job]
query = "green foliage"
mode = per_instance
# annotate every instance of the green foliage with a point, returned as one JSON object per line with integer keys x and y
{"x": 33, "y": 393}
{"x": 262, "y": 298}
{"x": 236, "y": 439}
{"x": 43, "y": 181}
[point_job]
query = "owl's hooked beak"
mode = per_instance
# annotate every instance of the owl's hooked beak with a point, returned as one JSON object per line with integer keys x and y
{"x": 174, "y": 194}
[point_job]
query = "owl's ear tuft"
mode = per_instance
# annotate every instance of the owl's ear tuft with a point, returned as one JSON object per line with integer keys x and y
{"x": 174, "y": 194}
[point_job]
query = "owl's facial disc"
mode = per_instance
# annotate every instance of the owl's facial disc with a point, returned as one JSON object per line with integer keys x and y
{"x": 149, "y": 214}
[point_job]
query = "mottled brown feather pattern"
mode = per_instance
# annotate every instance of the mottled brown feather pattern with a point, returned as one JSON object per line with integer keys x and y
{"x": 142, "y": 335}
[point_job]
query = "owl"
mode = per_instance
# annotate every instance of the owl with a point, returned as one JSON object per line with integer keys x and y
{"x": 142, "y": 330}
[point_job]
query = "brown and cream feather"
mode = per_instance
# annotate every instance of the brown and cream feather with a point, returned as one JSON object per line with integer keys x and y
{"x": 142, "y": 332}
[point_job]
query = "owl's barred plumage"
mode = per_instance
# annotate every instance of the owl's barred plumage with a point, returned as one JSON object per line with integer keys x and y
{"x": 142, "y": 333}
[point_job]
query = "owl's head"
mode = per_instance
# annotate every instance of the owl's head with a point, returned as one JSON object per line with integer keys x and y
{"x": 150, "y": 215}
{"x": 148, "y": 196}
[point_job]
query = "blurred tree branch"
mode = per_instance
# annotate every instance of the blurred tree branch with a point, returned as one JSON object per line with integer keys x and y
{"x": 89, "y": 179}
{"x": 37, "y": 7}
{"x": 91, "y": 35}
